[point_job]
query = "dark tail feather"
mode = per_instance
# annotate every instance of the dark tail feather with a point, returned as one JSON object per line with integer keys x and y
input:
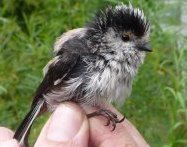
{"x": 24, "y": 127}
{"x": 26, "y": 139}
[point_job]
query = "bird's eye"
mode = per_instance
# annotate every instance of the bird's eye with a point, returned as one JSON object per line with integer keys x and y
{"x": 125, "y": 37}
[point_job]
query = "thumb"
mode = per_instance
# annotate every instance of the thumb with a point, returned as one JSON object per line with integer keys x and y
{"x": 68, "y": 126}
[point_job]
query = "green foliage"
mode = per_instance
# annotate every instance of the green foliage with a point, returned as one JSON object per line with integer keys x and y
{"x": 157, "y": 107}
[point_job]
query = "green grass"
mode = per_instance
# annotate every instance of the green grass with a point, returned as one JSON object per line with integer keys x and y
{"x": 158, "y": 104}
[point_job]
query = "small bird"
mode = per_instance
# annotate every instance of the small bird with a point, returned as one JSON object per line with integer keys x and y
{"x": 92, "y": 65}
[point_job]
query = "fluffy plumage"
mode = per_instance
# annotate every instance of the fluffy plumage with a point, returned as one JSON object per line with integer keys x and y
{"x": 121, "y": 17}
{"x": 95, "y": 63}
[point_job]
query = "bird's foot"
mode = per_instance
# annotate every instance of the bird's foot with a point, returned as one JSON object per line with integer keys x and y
{"x": 109, "y": 115}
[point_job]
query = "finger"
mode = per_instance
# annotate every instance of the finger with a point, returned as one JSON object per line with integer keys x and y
{"x": 6, "y": 138}
{"x": 9, "y": 143}
{"x": 5, "y": 134}
{"x": 135, "y": 134}
{"x": 130, "y": 129}
{"x": 102, "y": 136}
{"x": 68, "y": 126}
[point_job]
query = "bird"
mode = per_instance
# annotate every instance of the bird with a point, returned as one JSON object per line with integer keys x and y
{"x": 93, "y": 64}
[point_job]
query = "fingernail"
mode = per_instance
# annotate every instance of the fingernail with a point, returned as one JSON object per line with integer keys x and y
{"x": 65, "y": 123}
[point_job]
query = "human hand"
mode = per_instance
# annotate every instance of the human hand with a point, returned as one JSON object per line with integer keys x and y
{"x": 69, "y": 126}
{"x": 6, "y": 138}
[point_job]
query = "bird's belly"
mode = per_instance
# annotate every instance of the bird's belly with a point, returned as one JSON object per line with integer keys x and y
{"x": 110, "y": 85}
{"x": 91, "y": 88}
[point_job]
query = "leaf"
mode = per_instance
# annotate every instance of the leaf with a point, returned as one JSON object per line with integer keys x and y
{"x": 2, "y": 90}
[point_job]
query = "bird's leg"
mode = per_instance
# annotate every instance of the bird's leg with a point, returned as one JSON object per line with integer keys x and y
{"x": 109, "y": 115}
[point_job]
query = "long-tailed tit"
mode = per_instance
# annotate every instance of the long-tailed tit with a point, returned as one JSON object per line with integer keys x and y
{"x": 93, "y": 64}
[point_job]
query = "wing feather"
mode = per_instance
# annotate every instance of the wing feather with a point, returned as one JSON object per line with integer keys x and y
{"x": 72, "y": 40}
{"x": 57, "y": 71}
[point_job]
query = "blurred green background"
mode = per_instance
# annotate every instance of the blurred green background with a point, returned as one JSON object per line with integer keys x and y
{"x": 158, "y": 104}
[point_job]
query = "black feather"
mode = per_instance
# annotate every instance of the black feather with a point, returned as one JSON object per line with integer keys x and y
{"x": 125, "y": 18}
{"x": 24, "y": 128}
{"x": 56, "y": 71}
{"x": 59, "y": 70}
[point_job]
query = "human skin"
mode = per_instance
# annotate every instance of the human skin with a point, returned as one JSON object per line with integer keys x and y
{"x": 68, "y": 126}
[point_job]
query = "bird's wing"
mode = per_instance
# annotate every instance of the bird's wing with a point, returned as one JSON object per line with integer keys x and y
{"x": 71, "y": 40}
{"x": 55, "y": 71}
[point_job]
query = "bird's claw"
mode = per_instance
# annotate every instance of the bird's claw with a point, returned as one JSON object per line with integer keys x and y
{"x": 109, "y": 115}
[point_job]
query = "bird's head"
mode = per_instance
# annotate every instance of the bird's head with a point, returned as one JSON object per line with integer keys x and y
{"x": 123, "y": 28}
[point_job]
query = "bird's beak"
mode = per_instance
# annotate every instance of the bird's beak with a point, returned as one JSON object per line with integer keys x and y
{"x": 145, "y": 47}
